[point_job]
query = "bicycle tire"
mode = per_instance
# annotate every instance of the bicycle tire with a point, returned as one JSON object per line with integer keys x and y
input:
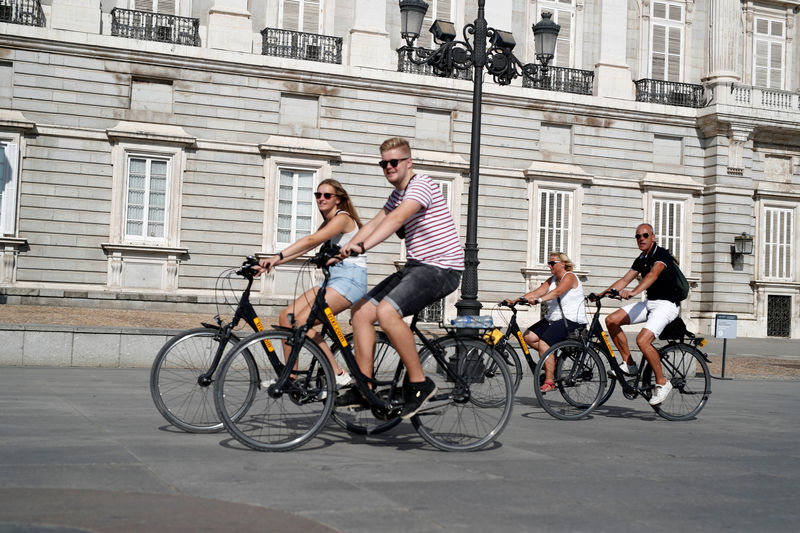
{"x": 686, "y": 368}
{"x": 453, "y": 420}
{"x": 174, "y": 386}
{"x": 366, "y": 420}
{"x": 275, "y": 423}
{"x": 578, "y": 392}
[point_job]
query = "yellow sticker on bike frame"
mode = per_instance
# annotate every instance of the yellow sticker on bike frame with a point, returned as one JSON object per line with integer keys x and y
{"x": 266, "y": 342}
{"x": 522, "y": 343}
{"x": 336, "y": 328}
{"x": 608, "y": 344}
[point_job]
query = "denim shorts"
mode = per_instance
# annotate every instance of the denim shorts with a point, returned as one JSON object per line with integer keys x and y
{"x": 414, "y": 287}
{"x": 349, "y": 280}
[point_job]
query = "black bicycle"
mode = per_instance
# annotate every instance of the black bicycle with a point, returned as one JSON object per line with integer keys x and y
{"x": 183, "y": 370}
{"x": 295, "y": 387}
{"x": 582, "y": 380}
{"x": 502, "y": 343}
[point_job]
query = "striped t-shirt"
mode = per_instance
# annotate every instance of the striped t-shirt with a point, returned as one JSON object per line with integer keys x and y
{"x": 431, "y": 235}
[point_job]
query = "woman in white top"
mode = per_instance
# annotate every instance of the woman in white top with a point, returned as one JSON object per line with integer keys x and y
{"x": 565, "y": 286}
{"x": 348, "y": 282}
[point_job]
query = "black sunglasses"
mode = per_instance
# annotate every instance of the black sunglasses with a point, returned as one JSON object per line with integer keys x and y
{"x": 643, "y": 235}
{"x": 385, "y": 163}
{"x": 326, "y": 195}
{"x": 553, "y": 263}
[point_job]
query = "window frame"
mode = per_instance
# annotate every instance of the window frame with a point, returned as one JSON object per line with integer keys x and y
{"x": 770, "y": 40}
{"x": 575, "y": 190}
{"x": 681, "y": 224}
{"x": 792, "y": 210}
{"x": 684, "y": 194}
{"x": 301, "y": 16}
{"x": 295, "y": 169}
{"x": 668, "y": 24}
{"x": 146, "y": 239}
{"x": 9, "y": 201}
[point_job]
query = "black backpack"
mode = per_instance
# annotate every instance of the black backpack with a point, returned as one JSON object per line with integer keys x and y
{"x": 681, "y": 284}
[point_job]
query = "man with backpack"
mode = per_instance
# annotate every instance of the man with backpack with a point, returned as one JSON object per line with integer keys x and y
{"x": 665, "y": 290}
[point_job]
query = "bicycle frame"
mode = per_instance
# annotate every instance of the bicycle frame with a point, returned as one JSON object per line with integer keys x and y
{"x": 514, "y": 330}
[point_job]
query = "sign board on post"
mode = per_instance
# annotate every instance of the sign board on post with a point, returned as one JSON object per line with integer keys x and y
{"x": 725, "y": 327}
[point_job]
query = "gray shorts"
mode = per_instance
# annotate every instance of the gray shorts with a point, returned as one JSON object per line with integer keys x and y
{"x": 414, "y": 287}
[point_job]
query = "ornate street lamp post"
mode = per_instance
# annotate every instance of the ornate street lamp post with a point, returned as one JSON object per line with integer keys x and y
{"x": 482, "y": 47}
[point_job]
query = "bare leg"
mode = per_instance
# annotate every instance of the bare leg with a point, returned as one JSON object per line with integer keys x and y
{"x": 402, "y": 339}
{"x": 645, "y": 342}
{"x": 364, "y": 316}
{"x": 614, "y": 323}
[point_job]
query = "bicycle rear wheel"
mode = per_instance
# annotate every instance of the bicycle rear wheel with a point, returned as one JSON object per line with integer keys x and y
{"x": 275, "y": 421}
{"x": 686, "y": 368}
{"x": 180, "y": 396}
{"x": 580, "y": 380}
{"x": 469, "y": 413}
{"x": 367, "y": 420}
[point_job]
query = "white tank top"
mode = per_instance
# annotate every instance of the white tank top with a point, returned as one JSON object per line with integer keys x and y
{"x": 572, "y": 302}
{"x": 360, "y": 259}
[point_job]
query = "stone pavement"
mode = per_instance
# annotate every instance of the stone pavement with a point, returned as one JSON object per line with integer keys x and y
{"x": 83, "y": 449}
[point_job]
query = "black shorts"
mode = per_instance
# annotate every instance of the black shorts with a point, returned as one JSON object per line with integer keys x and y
{"x": 553, "y": 332}
{"x": 414, "y": 287}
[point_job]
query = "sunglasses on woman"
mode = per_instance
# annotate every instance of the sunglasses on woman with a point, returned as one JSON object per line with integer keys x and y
{"x": 326, "y": 195}
{"x": 552, "y": 263}
{"x": 386, "y": 162}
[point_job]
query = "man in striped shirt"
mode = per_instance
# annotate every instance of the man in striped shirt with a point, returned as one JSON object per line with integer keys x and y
{"x": 433, "y": 269}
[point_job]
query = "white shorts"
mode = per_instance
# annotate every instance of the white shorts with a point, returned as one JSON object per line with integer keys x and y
{"x": 657, "y": 314}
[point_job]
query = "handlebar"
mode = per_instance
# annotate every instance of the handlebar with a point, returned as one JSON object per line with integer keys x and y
{"x": 518, "y": 301}
{"x": 610, "y": 293}
{"x": 246, "y": 269}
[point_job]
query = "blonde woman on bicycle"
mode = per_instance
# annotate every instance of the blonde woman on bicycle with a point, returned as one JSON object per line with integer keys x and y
{"x": 565, "y": 311}
{"x": 348, "y": 282}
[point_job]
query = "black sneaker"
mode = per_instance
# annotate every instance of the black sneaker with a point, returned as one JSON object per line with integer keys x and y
{"x": 351, "y": 398}
{"x": 416, "y": 395}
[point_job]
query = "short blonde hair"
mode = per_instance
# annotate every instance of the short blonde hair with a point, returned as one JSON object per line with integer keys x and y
{"x": 395, "y": 142}
{"x": 564, "y": 258}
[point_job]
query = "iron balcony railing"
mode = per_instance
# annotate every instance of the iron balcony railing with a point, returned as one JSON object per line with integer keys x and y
{"x": 158, "y": 27}
{"x": 560, "y": 79}
{"x": 406, "y": 65}
{"x": 301, "y": 45}
{"x": 670, "y": 93}
{"x": 26, "y": 12}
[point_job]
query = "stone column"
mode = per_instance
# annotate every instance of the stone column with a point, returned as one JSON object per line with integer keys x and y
{"x": 725, "y": 19}
{"x": 230, "y": 26}
{"x": 369, "y": 41}
{"x": 76, "y": 15}
{"x": 612, "y": 75}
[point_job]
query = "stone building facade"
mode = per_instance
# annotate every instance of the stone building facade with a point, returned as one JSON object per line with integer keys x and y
{"x": 149, "y": 144}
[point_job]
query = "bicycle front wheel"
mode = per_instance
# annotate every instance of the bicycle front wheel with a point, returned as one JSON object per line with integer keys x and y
{"x": 579, "y": 377}
{"x": 368, "y": 420}
{"x": 514, "y": 363}
{"x": 474, "y": 398}
{"x": 182, "y": 398}
{"x": 275, "y": 421}
{"x": 686, "y": 368}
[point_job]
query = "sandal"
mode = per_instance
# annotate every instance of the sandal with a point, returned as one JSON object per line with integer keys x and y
{"x": 548, "y": 386}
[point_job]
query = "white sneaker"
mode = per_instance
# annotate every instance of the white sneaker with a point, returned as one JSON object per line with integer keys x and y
{"x": 631, "y": 369}
{"x": 660, "y": 393}
{"x": 343, "y": 380}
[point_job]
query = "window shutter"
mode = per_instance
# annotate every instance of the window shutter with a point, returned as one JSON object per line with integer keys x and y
{"x": 668, "y": 225}
{"x": 674, "y": 55}
{"x": 290, "y": 16}
{"x": 564, "y": 41}
{"x": 555, "y": 211}
{"x": 778, "y": 243}
{"x": 437, "y": 9}
{"x": 312, "y": 16}
{"x": 761, "y": 74}
{"x": 776, "y": 66}
{"x": 768, "y": 50}
{"x": 9, "y": 156}
{"x": 659, "y": 55}
{"x": 168, "y": 7}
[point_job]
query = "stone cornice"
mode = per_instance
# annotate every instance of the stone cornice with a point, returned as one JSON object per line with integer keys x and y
{"x": 298, "y": 146}
{"x": 557, "y": 172}
{"x": 151, "y": 133}
{"x": 660, "y": 181}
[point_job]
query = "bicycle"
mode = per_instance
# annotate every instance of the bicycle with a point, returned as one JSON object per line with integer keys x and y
{"x": 581, "y": 379}
{"x": 183, "y": 370}
{"x": 502, "y": 343}
{"x": 295, "y": 391}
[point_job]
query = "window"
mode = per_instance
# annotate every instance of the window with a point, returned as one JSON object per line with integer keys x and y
{"x": 9, "y": 156}
{"x": 768, "y": 50}
{"x": 667, "y": 223}
{"x": 666, "y": 41}
{"x": 554, "y": 228}
{"x": 778, "y": 228}
{"x": 437, "y": 9}
{"x": 146, "y": 199}
{"x": 167, "y": 7}
{"x": 295, "y": 205}
{"x": 564, "y": 15}
{"x": 301, "y": 15}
